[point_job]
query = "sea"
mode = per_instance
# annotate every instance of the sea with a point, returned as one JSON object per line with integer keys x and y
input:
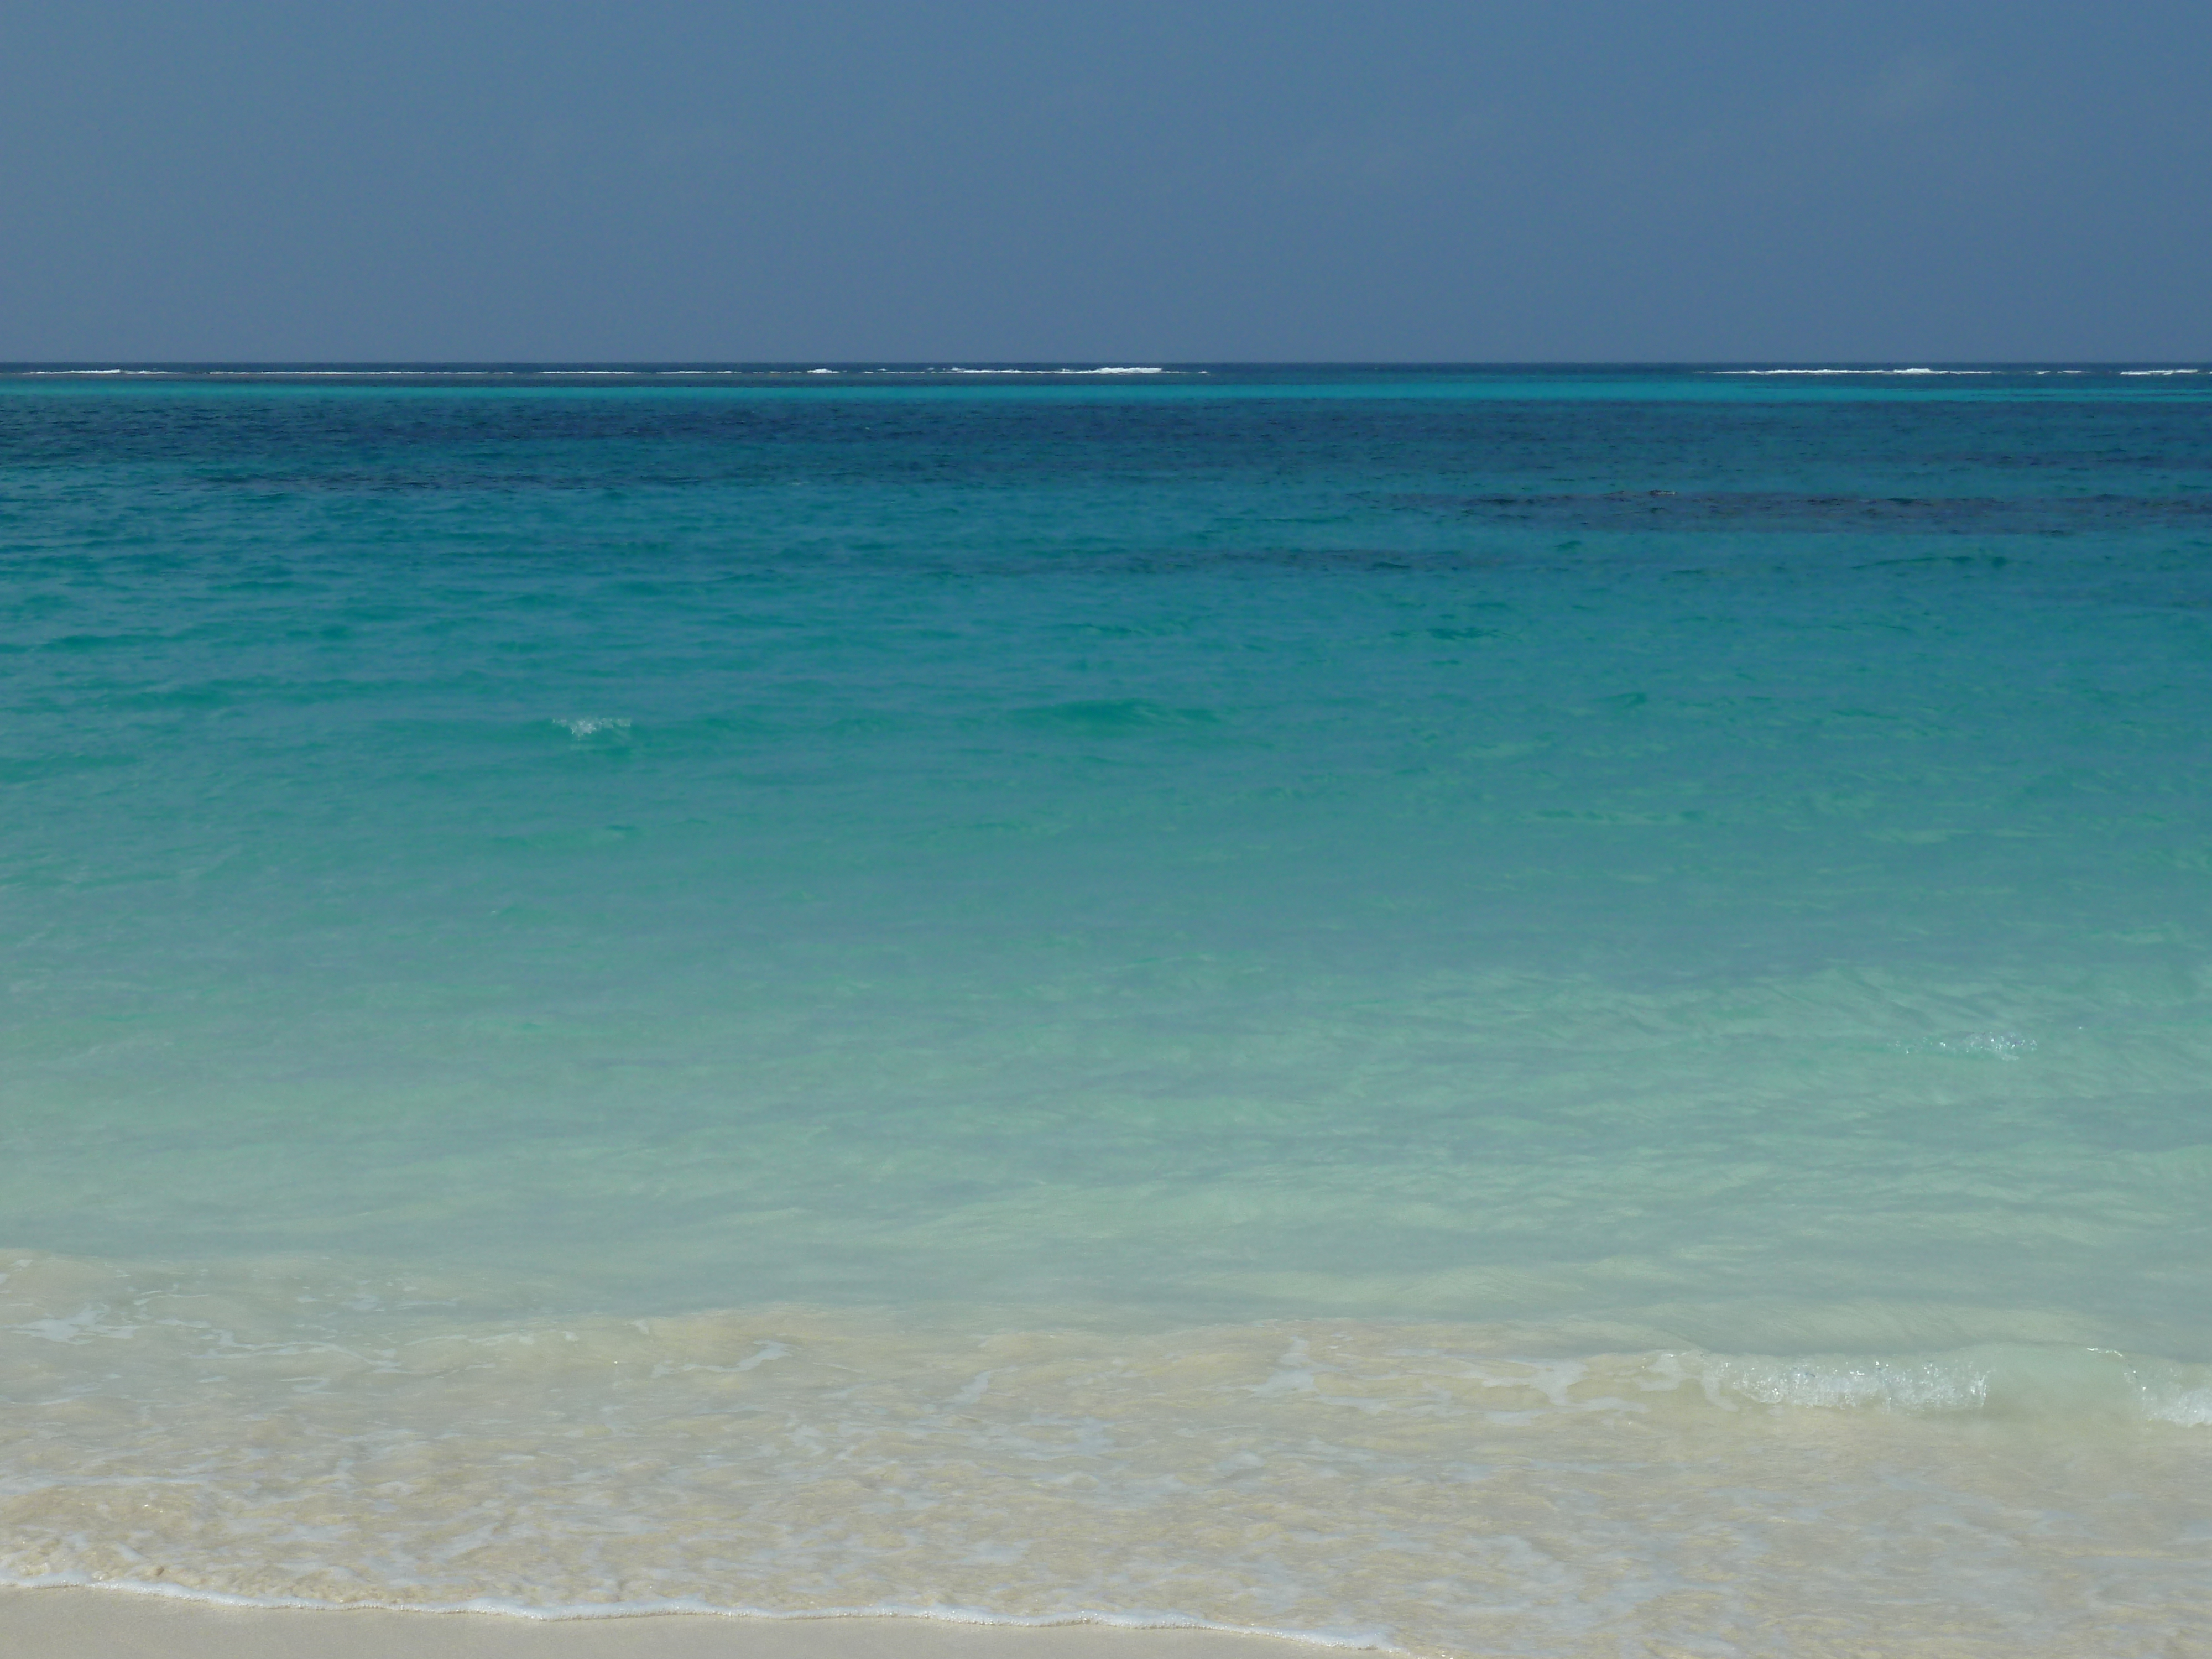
{"x": 1477, "y": 1011}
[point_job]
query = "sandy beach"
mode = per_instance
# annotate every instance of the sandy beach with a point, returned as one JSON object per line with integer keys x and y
{"x": 91, "y": 1624}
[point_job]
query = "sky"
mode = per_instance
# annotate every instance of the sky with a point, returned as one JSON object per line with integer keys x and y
{"x": 845, "y": 180}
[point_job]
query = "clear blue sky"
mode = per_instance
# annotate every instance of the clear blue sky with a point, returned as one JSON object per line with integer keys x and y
{"x": 1130, "y": 181}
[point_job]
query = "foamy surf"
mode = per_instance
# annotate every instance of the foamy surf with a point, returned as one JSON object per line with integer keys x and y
{"x": 981, "y": 1618}
{"x": 381, "y": 1449}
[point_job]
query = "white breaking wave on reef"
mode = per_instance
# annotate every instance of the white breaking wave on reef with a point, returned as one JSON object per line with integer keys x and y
{"x": 1111, "y": 370}
{"x": 1855, "y": 371}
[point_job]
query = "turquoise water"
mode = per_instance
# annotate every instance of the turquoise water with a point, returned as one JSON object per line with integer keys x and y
{"x": 1495, "y": 1012}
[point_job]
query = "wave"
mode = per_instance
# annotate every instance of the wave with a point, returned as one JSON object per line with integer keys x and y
{"x": 1110, "y": 370}
{"x": 1855, "y": 371}
{"x": 283, "y": 1433}
{"x": 2081, "y": 1385}
{"x": 1363, "y": 1641}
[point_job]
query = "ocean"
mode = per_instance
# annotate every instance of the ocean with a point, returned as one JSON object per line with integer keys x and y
{"x": 1489, "y": 1012}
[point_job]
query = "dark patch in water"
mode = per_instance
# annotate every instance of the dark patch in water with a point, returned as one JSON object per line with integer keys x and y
{"x": 1774, "y": 510}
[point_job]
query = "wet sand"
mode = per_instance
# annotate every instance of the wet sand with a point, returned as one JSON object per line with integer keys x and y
{"x": 91, "y": 1624}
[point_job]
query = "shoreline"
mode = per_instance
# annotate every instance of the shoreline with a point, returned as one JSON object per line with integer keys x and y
{"x": 114, "y": 1622}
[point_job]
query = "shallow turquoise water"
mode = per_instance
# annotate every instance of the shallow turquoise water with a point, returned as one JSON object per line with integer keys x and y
{"x": 1533, "y": 866}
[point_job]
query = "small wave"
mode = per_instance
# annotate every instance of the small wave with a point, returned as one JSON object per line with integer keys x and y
{"x": 2006, "y": 1045}
{"x": 2081, "y": 1384}
{"x": 1353, "y": 1484}
{"x": 1116, "y": 369}
{"x": 1855, "y": 371}
{"x": 1364, "y": 1641}
{"x": 592, "y": 728}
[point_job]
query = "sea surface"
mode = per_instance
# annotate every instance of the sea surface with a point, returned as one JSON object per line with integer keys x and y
{"x": 1491, "y": 1012}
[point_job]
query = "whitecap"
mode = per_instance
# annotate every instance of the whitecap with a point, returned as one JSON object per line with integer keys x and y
{"x": 1853, "y": 371}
